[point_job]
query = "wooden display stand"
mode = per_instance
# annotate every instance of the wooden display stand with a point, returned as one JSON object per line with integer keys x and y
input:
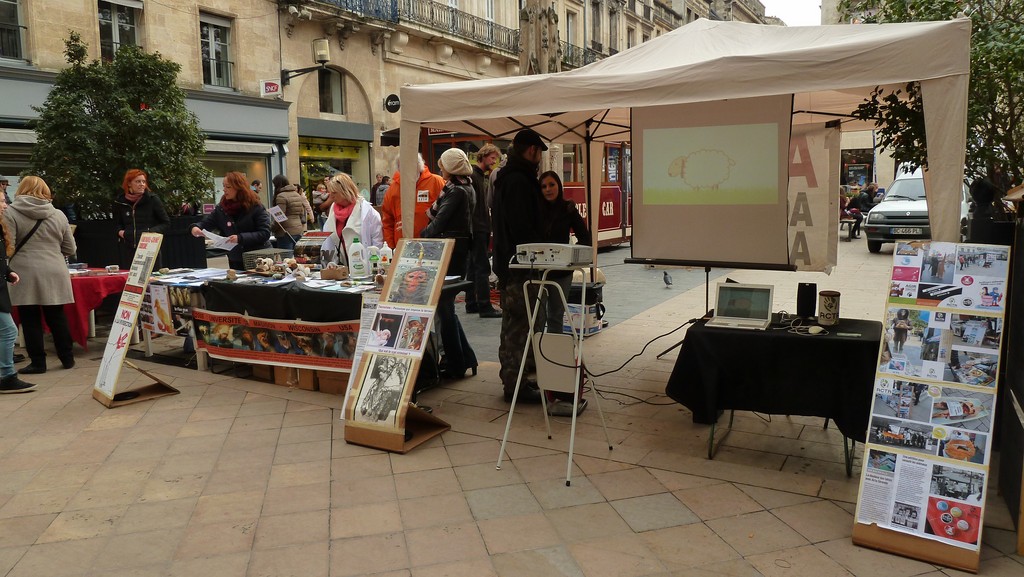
{"x": 378, "y": 412}
{"x": 107, "y": 378}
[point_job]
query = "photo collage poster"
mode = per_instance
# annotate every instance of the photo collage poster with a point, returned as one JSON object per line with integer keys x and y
{"x": 397, "y": 335}
{"x": 286, "y": 343}
{"x": 930, "y": 434}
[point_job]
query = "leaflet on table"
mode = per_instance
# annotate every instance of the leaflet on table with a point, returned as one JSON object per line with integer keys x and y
{"x": 914, "y": 495}
{"x": 949, "y": 275}
{"x": 399, "y": 329}
{"x": 218, "y": 241}
{"x": 264, "y": 280}
{"x": 192, "y": 277}
{"x": 299, "y": 344}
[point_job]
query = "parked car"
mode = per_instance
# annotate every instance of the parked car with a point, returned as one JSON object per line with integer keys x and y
{"x": 903, "y": 213}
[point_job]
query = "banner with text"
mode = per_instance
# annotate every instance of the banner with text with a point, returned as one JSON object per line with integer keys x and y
{"x": 813, "y": 197}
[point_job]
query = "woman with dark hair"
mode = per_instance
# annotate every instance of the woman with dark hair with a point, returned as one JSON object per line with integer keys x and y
{"x": 240, "y": 217}
{"x": 559, "y": 217}
{"x": 136, "y": 211}
{"x": 43, "y": 240}
{"x": 294, "y": 206}
{"x": 9, "y": 381}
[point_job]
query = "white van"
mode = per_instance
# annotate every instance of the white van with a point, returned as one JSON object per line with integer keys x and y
{"x": 903, "y": 213}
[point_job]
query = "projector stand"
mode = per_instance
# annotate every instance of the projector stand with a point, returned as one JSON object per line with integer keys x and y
{"x": 707, "y": 308}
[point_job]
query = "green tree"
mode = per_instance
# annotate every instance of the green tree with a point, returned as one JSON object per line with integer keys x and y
{"x": 995, "y": 109}
{"x": 102, "y": 118}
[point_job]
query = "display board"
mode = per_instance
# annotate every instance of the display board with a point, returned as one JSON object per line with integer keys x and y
{"x": 927, "y": 458}
{"x": 377, "y": 410}
{"x": 105, "y": 389}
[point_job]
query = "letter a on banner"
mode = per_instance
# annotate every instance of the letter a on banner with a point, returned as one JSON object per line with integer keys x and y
{"x": 121, "y": 330}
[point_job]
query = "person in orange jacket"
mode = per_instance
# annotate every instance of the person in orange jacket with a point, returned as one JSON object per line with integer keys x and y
{"x": 428, "y": 187}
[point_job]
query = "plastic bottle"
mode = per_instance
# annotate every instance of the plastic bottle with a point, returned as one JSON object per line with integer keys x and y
{"x": 386, "y": 256}
{"x": 357, "y": 258}
{"x": 374, "y": 260}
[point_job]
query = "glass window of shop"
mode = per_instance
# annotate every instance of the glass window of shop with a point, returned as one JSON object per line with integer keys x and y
{"x": 858, "y": 167}
{"x": 14, "y": 160}
{"x": 253, "y": 167}
{"x": 439, "y": 144}
{"x": 324, "y": 157}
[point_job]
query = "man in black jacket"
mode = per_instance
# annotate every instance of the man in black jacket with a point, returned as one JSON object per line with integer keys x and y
{"x": 515, "y": 220}
{"x": 478, "y": 300}
{"x": 136, "y": 211}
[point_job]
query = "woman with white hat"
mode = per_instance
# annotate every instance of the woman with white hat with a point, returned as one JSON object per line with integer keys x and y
{"x": 451, "y": 217}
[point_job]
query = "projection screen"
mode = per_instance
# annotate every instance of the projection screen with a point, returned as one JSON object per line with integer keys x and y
{"x": 710, "y": 182}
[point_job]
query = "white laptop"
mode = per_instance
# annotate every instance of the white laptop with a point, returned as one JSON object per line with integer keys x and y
{"x": 743, "y": 306}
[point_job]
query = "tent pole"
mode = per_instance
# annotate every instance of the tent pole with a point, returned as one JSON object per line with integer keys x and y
{"x": 592, "y": 218}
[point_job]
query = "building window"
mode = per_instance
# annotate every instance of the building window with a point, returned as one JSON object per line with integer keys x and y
{"x": 11, "y": 41}
{"x": 596, "y": 26}
{"x": 118, "y": 26}
{"x": 332, "y": 94}
{"x": 630, "y": 37}
{"x": 613, "y": 29}
{"x": 646, "y": 37}
{"x": 570, "y": 27}
{"x": 215, "y": 44}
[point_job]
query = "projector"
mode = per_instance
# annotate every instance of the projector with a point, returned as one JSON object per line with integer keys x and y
{"x": 546, "y": 254}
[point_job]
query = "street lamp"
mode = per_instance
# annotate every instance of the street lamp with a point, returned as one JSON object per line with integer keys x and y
{"x": 321, "y": 55}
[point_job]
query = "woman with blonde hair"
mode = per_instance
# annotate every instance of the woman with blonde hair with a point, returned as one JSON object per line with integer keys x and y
{"x": 42, "y": 241}
{"x": 240, "y": 217}
{"x": 350, "y": 217}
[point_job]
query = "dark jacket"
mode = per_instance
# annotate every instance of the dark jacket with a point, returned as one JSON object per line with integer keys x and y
{"x": 252, "y": 228}
{"x": 147, "y": 215}
{"x": 5, "y": 277}
{"x": 482, "y": 212}
{"x": 515, "y": 211}
{"x": 453, "y": 219}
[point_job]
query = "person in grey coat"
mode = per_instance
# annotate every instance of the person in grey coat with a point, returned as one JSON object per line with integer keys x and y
{"x": 39, "y": 258}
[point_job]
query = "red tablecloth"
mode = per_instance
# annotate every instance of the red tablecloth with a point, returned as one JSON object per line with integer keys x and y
{"x": 89, "y": 291}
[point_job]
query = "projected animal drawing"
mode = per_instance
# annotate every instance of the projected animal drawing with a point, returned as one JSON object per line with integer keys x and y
{"x": 703, "y": 169}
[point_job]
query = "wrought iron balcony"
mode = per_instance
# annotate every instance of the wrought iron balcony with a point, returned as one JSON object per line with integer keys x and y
{"x": 576, "y": 56}
{"x": 437, "y": 16}
{"x": 10, "y": 41}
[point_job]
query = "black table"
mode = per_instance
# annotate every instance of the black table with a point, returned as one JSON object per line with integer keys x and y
{"x": 779, "y": 372}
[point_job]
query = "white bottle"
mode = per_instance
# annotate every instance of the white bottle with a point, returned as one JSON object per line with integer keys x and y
{"x": 386, "y": 256}
{"x": 357, "y": 258}
{"x": 374, "y": 260}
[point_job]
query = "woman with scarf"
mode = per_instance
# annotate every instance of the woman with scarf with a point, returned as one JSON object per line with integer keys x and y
{"x": 451, "y": 217}
{"x": 136, "y": 210}
{"x": 349, "y": 217}
{"x": 240, "y": 217}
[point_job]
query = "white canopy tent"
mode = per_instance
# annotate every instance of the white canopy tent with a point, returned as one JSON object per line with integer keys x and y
{"x": 828, "y": 70}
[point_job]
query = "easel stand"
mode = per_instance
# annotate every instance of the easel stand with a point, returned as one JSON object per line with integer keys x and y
{"x": 707, "y": 308}
{"x": 559, "y": 359}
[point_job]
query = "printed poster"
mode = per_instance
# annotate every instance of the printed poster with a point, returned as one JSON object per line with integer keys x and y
{"x": 299, "y": 344}
{"x": 929, "y": 442}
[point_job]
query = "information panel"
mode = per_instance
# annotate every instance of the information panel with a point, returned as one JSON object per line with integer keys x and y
{"x": 929, "y": 439}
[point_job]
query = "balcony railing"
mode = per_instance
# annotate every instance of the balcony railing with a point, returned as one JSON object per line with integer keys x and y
{"x": 217, "y": 72}
{"x": 460, "y": 24}
{"x": 577, "y": 56}
{"x": 386, "y": 10}
{"x": 10, "y": 41}
{"x": 435, "y": 15}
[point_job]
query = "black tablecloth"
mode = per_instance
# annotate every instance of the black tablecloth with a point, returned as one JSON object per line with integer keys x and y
{"x": 293, "y": 301}
{"x": 779, "y": 372}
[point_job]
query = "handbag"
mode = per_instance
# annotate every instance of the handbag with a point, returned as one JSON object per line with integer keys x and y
{"x": 22, "y": 242}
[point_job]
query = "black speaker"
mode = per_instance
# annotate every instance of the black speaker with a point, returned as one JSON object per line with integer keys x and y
{"x": 806, "y": 299}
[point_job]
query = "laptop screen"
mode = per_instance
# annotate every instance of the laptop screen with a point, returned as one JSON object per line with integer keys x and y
{"x": 744, "y": 301}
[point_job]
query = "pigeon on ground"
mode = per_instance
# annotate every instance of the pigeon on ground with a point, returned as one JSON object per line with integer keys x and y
{"x": 668, "y": 279}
